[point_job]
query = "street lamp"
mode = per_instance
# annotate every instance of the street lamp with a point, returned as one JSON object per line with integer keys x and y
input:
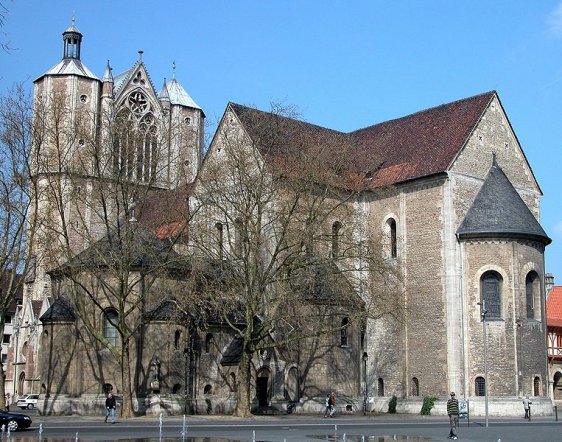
{"x": 483, "y": 313}
{"x": 365, "y": 390}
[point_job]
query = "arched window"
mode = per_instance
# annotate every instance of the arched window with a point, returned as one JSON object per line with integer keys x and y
{"x": 480, "y": 386}
{"x": 336, "y": 227}
{"x": 415, "y": 387}
{"x": 537, "y": 386}
{"x": 343, "y": 332}
{"x": 209, "y": 343}
{"x": 490, "y": 284}
{"x": 220, "y": 240}
{"x": 532, "y": 290}
{"x": 208, "y": 389}
{"x": 380, "y": 387}
{"x": 110, "y": 326}
{"x": 177, "y": 339}
{"x": 240, "y": 237}
{"x": 391, "y": 238}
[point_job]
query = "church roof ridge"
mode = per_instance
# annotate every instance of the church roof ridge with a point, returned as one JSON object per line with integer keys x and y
{"x": 498, "y": 211}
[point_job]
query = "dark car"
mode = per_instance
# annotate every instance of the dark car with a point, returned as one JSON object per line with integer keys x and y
{"x": 14, "y": 421}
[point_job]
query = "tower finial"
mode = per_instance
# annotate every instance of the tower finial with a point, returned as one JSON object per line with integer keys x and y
{"x": 140, "y": 55}
{"x": 174, "y": 70}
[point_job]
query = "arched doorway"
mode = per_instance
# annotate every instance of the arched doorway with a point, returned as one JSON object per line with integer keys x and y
{"x": 21, "y": 383}
{"x": 557, "y": 386}
{"x": 262, "y": 384}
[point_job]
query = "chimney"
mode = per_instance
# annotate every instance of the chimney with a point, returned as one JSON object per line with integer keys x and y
{"x": 548, "y": 282}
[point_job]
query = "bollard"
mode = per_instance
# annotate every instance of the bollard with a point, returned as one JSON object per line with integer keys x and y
{"x": 40, "y": 431}
{"x": 184, "y": 427}
{"x": 254, "y": 436}
{"x": 76, "y": 437}
{"x": 160, "y": 424}
{"x": 556, "y": 412}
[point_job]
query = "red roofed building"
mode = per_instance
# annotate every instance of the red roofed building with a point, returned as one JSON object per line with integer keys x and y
{"x": 447, "y": 191}
{"x": 554, "y": 341}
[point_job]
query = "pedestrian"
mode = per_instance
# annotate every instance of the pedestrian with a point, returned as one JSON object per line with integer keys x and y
{"x": 110, "y": 407}
{"x": 7, "y": 399}
{"x": 453, "y": 412}
{"x": 527, "y": 406}
{"x": 327, "y": 405}
{"x": 332, "y": 404}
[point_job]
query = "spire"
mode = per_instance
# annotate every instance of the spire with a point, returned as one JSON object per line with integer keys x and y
{"x": 107, "y": 74}
{"x": 72, "y": 38}
{"x": 164, "y": 96}
{"x": 174, "y": 70}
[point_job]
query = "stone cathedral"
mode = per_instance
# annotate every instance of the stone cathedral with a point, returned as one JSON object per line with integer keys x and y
{"x": 462, "y": 214}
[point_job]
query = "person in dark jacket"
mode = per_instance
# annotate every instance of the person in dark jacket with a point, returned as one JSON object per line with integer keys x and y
{"x": 110, "y": 407}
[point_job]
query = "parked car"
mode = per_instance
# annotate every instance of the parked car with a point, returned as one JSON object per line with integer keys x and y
{"x": 28, "y": 401}
{"x": 14, "y": 421}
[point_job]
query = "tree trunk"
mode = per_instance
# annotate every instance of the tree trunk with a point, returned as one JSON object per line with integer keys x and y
{"x": 243, "y": 391}
{"x": 127, "y": 410}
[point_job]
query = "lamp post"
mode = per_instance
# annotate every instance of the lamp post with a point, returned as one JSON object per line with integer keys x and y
{"x": 185, "y": 391}
{"x": 483, "y": 313}
{"x": 365, "y": 390}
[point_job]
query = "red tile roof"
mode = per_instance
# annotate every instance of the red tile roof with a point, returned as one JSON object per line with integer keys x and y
{"x": 415, "y": 146}
{"x": 554, "y": 307}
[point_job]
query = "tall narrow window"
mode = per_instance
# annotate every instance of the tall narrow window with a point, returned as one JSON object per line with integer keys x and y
{"x": 220, "y": 244}
{"x": 393, "y": 244}
{"x": 177, "y": 339}
{"x": 336, "y": 227}
{"x": 491, "y": 294}
{"x": 415, "y": 387}
{"x": 110, "y": 327}
{"x": 532, "y": 289}
{"x": 480, "y": 386}
{"x": 537, "y": 386}
{"x": 380, "y": 387}
{"x": 209, "y": 343}
{"x": 343, "y": 332}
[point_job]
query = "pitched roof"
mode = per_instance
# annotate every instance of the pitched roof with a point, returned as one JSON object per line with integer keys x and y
{"x": 178, "y": 95}
{"x": 142, "y": 249}
{"x": 499, "y": 211}
{"x": 70, "y": 66}
{"x": 554, "y": 307}
{"x": 59, "y": 311}
{"x": 414, "y": 146}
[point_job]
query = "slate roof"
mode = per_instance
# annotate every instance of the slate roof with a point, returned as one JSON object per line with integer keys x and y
{"x": 415, "y": 146}
{"x": 59, "y": 311}
{"x": 554, "y": 307}
{"x": 499, "y": 212}
{"x": 145, "y": 250}
{"x": 177, "y": 94}
{"x": 70, "y": 66}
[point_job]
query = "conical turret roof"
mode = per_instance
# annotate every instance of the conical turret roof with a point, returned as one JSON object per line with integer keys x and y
{"x": 499, "y": 212}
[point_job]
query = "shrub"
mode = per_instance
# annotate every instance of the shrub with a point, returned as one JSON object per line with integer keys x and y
{"x": 392, "y": 405}
{"x": 428, "y": 402}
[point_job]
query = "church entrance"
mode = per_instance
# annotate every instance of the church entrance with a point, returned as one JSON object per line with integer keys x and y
{"x": 262, "y": 392}
{"x": 557, "y": 386}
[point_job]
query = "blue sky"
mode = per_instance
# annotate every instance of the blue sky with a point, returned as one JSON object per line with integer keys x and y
{"x": 343, "y": 64}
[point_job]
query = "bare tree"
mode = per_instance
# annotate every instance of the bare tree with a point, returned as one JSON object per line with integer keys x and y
{"x": 279, "y": 239}
{"x": 17, "y": 228}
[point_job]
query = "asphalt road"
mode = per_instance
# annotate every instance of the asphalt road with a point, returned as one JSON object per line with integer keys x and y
{"x": 375, "y": 428}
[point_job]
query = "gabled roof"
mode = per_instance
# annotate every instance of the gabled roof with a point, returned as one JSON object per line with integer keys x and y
{"x": 554, "y": 307}
{"x": 123, "y": 78}
{"x": 499, "y": 211}
{"x": 418, "y": 145}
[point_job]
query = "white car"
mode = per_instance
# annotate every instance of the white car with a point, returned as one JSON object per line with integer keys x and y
{"x": 28, "y": 401}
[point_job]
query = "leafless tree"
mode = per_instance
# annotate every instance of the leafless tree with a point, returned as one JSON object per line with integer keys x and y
{"x": 17, "y": 227}
{"x": 277, "y": 236}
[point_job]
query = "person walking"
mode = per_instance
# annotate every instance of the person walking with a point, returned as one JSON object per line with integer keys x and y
{"x": 327, "y": 405}
{"x": 332, "y": 404}
{"x": 453, "y": 412}
{"x": 527, "y": 406}
{"x": 110, "y": 408}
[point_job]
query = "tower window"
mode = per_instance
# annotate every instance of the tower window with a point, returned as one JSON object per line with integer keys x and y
{"x": 110, "y": 327}
{"x": 490, "y": 285}
{"x": 532, "y": 298}
{"x": 83, "y": 98}
{"x": 344, "y": 332}
{"x": 480, "y": 386}
{"x": 187, "y": 120}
